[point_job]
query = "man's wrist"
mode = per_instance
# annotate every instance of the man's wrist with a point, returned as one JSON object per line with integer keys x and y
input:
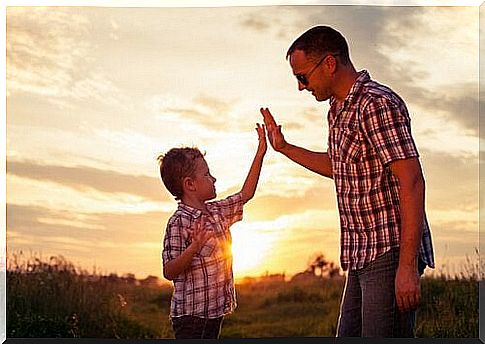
{"x": 410, "y": 262}
{"x": 284, "y": 150}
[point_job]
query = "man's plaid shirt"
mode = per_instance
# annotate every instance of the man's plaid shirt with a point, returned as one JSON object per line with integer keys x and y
{"x": 367, "y": 131}
{"x": 206, "y": 289}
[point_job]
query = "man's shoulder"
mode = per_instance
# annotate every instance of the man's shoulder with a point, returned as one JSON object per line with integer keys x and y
{"x": 373, "y": 91}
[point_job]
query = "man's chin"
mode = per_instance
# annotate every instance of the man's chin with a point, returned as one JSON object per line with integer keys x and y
{"x": 319, "y": 98}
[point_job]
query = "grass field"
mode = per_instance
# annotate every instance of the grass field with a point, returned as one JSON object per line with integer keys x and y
{"x": 54, "y": 299}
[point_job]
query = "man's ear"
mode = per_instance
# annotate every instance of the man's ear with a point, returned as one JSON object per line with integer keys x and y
{"x": 331, "y": 64}
{"x": 188, "y": 184}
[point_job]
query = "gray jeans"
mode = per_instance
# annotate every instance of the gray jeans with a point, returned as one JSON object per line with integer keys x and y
{"x": 369, "y": 307}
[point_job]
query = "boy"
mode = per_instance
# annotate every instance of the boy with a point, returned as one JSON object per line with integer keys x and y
{"x": 197, "y": 244}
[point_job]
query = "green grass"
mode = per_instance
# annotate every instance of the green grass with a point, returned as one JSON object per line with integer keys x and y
{"x": 449, "y": 309}
{"x": 55, "y": 299}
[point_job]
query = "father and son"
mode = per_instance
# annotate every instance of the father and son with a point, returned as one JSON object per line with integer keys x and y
{"x": 385, "y": 241}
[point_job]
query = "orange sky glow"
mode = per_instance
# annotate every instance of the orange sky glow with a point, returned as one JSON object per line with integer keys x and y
{"x": 94, "y": 95}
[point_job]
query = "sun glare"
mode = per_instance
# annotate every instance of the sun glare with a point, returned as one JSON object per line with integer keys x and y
{"x": 249, "y": 248}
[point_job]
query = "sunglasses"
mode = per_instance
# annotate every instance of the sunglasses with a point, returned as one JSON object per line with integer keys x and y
{"x": 303, "y": 78}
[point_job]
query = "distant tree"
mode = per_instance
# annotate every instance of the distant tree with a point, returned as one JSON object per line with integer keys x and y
{"x": 150, "y": 281}
{"x": 129, "y": 278}
{"x": 320, "y": 266}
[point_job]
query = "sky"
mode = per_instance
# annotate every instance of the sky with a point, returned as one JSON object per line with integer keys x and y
{"x": 95, "y": 94}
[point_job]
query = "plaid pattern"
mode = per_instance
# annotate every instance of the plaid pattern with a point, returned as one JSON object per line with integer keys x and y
{"x": 206, "y": 289}
{"x": 367, "y": 131}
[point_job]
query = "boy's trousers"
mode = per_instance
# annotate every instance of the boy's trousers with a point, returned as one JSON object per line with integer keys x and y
{"x": 187, "y": 327}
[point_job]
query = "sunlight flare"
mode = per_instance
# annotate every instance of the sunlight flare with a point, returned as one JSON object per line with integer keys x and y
{"x": 250, "y": 247}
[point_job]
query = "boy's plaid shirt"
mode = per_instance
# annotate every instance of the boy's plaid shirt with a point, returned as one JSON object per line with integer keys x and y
{"x": 370, "y": 129}
{"x": 206, "y": 288}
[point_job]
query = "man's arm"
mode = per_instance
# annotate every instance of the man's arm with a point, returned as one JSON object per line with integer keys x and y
{"x": 317, "y": 162}
{"x": 411, "y": 202}
{"x": 251, "y": 182}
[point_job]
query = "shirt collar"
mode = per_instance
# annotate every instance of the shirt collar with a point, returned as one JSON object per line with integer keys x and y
{"x": 190, "y": 211}
{"x": 362, "y": 77}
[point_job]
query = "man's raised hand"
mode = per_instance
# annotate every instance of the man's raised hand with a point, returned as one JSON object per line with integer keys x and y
{"x": 276, "y": 138}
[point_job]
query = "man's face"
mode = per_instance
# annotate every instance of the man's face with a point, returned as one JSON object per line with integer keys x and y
{"x": 312, "y": 75}
{"x": 204, "y": 181}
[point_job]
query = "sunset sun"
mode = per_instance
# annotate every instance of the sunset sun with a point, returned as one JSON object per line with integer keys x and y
{"x": 250, "y": 246}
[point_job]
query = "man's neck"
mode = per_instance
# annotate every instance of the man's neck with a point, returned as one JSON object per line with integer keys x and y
{"x": 346, "y": 80}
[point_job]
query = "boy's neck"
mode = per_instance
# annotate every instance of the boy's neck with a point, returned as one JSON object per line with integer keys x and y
{"x": 195, "y": 203}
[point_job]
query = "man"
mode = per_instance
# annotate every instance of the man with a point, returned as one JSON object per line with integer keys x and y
{"x": 372, "y": 158}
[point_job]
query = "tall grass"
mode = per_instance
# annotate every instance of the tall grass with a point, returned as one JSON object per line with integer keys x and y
{"x": 449, "y": 308}
{"x": 54, "y": 299}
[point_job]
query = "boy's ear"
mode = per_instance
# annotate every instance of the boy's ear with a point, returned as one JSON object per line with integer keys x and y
{"x": 188, "y": 184}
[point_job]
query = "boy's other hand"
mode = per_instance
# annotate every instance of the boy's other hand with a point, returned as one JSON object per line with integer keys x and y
{"x": 276, "y": 138}
{"x": 200, "y": 237}
{"x": 262, "y": 147}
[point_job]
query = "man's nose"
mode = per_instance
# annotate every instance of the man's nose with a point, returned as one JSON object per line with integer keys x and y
{"x": 301, "y": 87}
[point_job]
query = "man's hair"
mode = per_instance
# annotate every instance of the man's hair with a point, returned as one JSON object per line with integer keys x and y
{"x": 177, "y": 164}
{"x": 320, "y": 40}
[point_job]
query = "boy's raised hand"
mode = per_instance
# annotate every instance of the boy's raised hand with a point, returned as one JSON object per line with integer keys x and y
{"x": 261, "y": 138}
{"x": 276, "y": 138}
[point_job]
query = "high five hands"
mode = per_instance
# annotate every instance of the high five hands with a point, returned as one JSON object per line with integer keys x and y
{"x": 276, "y": 138}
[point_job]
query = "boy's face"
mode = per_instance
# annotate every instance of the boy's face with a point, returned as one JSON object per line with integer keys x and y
{"x": 204, "y": 181}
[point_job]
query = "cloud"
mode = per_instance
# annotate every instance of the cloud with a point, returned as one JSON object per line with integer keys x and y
{"x": 83, "y": 178}
{"x": 30, "y": 220}
{"x": 99, "y": 230}
{"x": 256, "y": 22}
{"x": 30, "y": 192}
{"x": 49, "y": 55}
{"x": 102, "y": 239}
{"x": 203, "y": 110}
{"x": 396, "y": 44}
{"x": 319, "y": 198}
{"x": 461, "y": 107}
{"x": 451, "y": 181}
{"x": 211, "y": 103}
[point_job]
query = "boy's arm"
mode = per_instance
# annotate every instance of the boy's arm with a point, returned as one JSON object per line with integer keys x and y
{"x": 252, "y": 178}
{"x": 176, "y": 266}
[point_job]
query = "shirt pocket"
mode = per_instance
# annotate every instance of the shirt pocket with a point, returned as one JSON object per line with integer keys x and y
{"x": 208, "y": 249}
{"x": 346, "y": 144}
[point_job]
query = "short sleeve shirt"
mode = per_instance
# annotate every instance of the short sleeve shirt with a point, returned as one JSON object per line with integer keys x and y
{"x": 367, "y": 131}
{"x": 206, "y": 288}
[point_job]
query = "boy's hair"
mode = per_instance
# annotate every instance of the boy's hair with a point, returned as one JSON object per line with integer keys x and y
{"x": 177, "y": 164}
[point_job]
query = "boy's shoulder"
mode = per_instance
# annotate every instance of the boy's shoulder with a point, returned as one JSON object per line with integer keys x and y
{"x": 181, "y": 218}
{"x": 231, "y": 199}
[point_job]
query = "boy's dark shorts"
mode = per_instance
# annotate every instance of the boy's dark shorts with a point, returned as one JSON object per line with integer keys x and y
{"x": 188, "y": 326}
